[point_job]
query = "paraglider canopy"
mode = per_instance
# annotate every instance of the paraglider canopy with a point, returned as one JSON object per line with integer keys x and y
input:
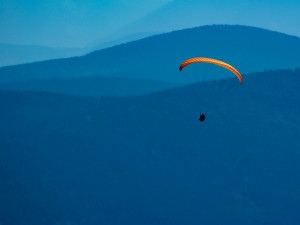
{"x": 213, "y": 61}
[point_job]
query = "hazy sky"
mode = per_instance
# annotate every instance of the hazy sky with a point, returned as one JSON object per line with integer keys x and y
{"x": 71, "y": 23}
{"x": 277, "y": 15}
{"x": 77, "y": 23}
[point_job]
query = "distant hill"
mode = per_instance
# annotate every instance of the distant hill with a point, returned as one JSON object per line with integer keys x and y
{"x": 148, "y": 160}
{"x": 19, "y": 54}
{"x": 158, "y": 57}
{"x": 91, "y": 86}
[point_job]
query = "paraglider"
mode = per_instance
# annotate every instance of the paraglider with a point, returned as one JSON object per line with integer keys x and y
{"x": 213, "y": 61}
{"x": 202, "y": 117}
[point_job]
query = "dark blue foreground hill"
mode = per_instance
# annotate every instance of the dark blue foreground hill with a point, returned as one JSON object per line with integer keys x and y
{"x": 148, "y": 160}
{"x": 91, "y": 86}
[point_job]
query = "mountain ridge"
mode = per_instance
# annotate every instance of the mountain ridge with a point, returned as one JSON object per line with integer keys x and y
{"x": 20, "y": 54}
{"x": 158, "y": 57}
{"x": 91, "y": 86}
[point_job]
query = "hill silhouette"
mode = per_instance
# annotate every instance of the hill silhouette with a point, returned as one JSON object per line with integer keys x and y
{"x": 20, "y": 54}
{"x": 147, "y": 160}
{"x": 91, "y": 86}
{"x": 158, "y": 57}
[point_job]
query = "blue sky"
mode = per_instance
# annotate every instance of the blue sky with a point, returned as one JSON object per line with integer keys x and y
{"x": 67, "y": 23}
{"x": 70, "y": 23}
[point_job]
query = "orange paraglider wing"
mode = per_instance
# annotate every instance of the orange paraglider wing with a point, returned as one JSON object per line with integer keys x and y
{"x": 213, "y": 61}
